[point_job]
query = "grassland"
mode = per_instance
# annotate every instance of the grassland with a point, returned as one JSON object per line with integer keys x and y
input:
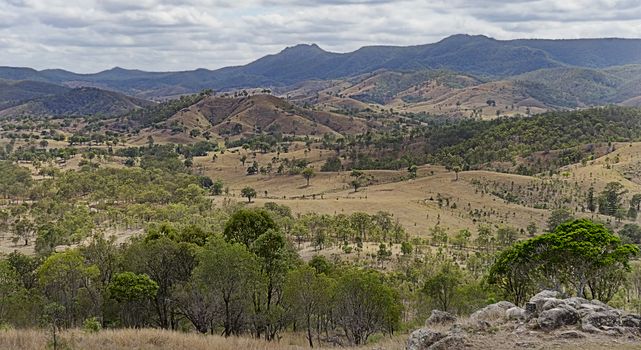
{"x": 155, "y": 339}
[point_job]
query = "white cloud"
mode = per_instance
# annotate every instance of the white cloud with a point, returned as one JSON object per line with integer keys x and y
{"x": 92, "y": 35}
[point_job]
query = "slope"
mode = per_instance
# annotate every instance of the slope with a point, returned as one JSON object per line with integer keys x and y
{"x": 78, "y": 102}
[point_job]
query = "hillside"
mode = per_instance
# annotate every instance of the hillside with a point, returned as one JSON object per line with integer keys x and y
{"x": 15, "y": 92}
{"x": 74, "y": 102}
{"x": 235, "y": 117}
{"x": 475, "y": 55}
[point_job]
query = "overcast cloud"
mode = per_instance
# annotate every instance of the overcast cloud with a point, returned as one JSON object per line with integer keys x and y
{"x": 159, "y": 35}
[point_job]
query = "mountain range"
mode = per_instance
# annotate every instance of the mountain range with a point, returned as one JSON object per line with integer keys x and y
{"x": 537, "y": 74}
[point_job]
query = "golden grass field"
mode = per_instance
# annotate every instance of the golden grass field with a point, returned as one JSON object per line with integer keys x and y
{"x": 155, "y": 339}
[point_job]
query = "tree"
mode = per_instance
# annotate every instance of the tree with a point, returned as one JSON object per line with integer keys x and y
{"x": 412, "y": 169}
{"x": 24, "y": 229}
{"x": 506, "y": 236}
{"x": 229, "y": 271}
{"x": 308, "y": 173}
{"x": 248, "y": 193}
{"x": 631, "y": 233}
{"x": 134, "y": 293}
{"x": 531, "y": 229}
{"x": 246, "y": 225}
{"x": 610, "y": 198}
{"x": 67, "y": 281}
{"x": 557, "y": 217}
{"x": 365, "y": 305}
{"x": 590, "y": 201}
{"x": 578, "y": 255}
{"x": 454, "y": 163}
{"x": 169, "y": 264}
{"x": 332, "y": 164}
{"x": 442, "y": 286}
{"x": 217, "y": 187}
{"x": 307, "y": 293}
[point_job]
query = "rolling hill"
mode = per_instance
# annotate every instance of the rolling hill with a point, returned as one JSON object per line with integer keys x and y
{"x": 85, "y": 101}
{"x": 236, "y": 117}
{"x": 474, "y": 55}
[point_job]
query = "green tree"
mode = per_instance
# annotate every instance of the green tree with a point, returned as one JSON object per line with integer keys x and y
{"x": 590, "y": 201}
{"x": 578, "y": 255}
{"x": 610, "y": 198}
{"x": 246, "y": 225}
{"x": 442, "y": 286}
{"x": 217, "y": 187}
{"x": 169, "y": 264}
{"x": 412, "y": 170}
{"x": 229, "y": 271}
{"x": 308, "y": 173}
{"x": 307, "y": 294}
{"x": 67, "y": 281}
{"x": 134, "y": 293}
{"x": 248, "y": 193}
{"x": 365, "y": 304}
{"x": 557, "y": 217}
{"x": 631, "y": 233}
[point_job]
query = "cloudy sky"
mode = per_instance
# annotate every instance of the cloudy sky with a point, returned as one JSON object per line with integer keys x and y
{"x": 93, "y": 35}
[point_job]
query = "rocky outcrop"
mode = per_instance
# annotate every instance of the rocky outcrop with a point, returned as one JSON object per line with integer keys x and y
{"x": 440, "y": 317}
{"x": 546, "y": 312}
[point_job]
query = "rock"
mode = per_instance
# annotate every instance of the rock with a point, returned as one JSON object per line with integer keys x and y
{"x": 602, "y": 319}
{"x": 543, "y": 297}
{"x": 492, "y": 313}
{"x": 576, "y": 302}
{"x": 546, "y": 294}
{"x": 631, "y": 321}
{"x": 452, "y": 342}
{"x": 440, "y": 317}
{"x": 588, "y": 308}
{"x": 552, "y": 319}
{"x": 588, "y": 328}
{"x": 571, "y": 335}
{"x": 515, "y": 313}
{"x": 551, "y": 304}
{"x": 423, "y": 339}
{"x": 530, "y": 308}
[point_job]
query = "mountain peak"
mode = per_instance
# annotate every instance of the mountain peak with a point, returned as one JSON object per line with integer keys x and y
{"x": 303, "y": 48}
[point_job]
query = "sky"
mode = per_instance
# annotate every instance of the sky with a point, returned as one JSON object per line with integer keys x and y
{"x": 88, "y": 36}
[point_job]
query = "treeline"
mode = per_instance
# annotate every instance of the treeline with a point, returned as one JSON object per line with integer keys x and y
{"x": 478, "y": 143}
{"x": 247, "y": 280}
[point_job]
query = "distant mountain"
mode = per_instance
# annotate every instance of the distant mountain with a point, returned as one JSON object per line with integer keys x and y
{"x": 480, "y": 56}
{"x": 74, "y": 102}
{"x": 15, "y": 92}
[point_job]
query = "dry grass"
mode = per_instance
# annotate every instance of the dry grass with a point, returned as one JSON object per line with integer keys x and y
{"x": 154, "y": 339}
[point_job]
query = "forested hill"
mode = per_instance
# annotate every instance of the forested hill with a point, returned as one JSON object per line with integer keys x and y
{"x": 473, "y": 144}
{"x": 477, "y": 55}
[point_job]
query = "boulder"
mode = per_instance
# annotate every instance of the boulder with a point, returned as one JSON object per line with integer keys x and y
{"x": 452, "y": 342}
{"x": 422, "y": 339}
{"x": 545, "y": 294}
{"x": 440, "y": 317}
{"x": 588, "y": 308}
{"x": 552, "y": 319}
{"x": 602, "y": 319}
{"x": 551, "y": 304}
{"x": 515, "y": 313}
{"x": 492, "y": 313}
{"x": 543, "y": 297}
{"x": 631, "y": 321}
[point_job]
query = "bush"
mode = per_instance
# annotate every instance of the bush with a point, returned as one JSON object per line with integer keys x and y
{"x": 91, "y": 325}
